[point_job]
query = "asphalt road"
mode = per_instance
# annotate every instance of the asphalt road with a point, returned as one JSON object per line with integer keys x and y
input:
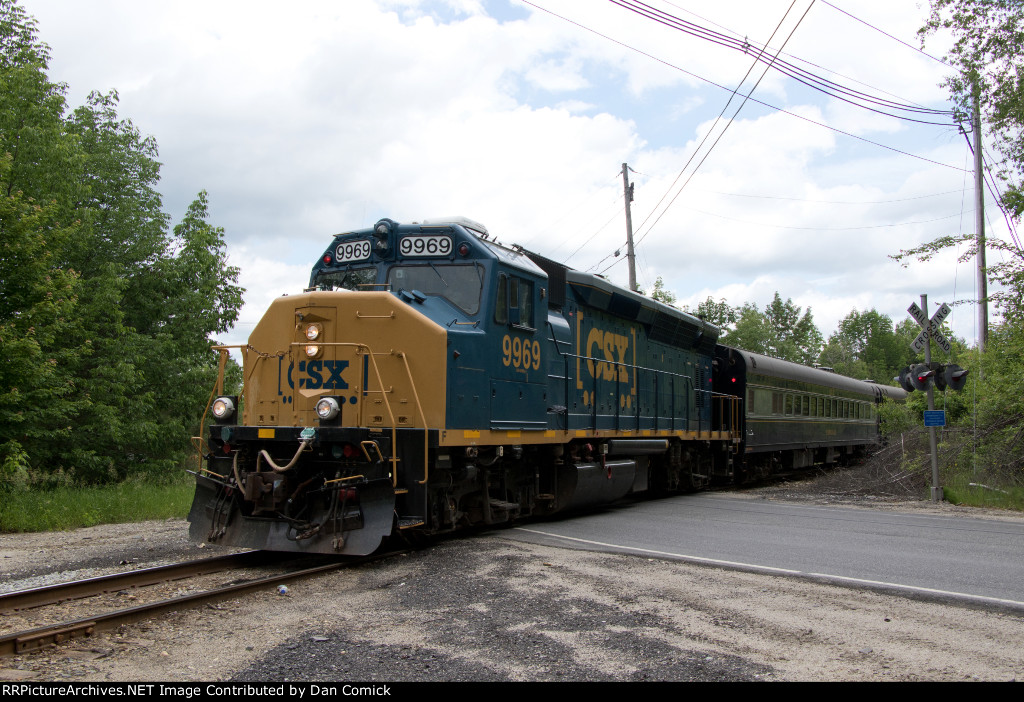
{"x": 941, "y": 556}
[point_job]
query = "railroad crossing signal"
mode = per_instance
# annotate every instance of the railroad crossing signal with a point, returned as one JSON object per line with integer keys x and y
{"x": 933, "y": 328}
{"x": 918, "y": 376}
{"x": 951, "y": 376}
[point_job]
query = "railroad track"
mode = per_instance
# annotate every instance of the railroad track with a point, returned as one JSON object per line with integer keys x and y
{"x": 33, "y": 639}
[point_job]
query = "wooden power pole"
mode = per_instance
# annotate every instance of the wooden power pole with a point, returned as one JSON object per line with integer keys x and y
{"x": 979, "y": 211}
{"x": 627, "y": 191}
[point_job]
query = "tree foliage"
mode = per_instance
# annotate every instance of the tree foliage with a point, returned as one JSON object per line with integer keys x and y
{"x": 867, "y": 346}
{"x": 780, "y": 331}
{"x": 661, "y": 293}
{"x": 104, "y": 314}
{"x": 720, "y": 313}
{"x": 988, "y": 35}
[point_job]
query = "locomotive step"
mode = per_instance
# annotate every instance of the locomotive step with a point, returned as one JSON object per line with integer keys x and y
{"x": 499, "y": 504}
{"x": 410, "y": 522}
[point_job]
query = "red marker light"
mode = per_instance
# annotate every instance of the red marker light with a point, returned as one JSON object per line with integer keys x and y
{"x": 327, "y": 259}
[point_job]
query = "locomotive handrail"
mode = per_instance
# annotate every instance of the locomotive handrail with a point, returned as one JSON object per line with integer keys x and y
{"x": 218, "y": 389}
{"x": 423, "y": 418}
{"x": 634, "y": 367}
{"x": 732, "y": 424}
{"x": 380, "y": 382}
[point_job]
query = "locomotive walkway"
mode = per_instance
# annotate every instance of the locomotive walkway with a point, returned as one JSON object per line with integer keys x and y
{"x": 947, "y": 558}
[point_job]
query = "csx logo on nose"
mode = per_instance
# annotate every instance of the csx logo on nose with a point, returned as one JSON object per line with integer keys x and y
{"x": 315, "y": 371}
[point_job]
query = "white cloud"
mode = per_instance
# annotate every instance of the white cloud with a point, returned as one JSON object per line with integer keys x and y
{"x": 327, "y": 116}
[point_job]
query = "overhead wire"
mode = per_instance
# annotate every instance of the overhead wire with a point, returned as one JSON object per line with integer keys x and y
{"x": 588, "y": 240}
{"x": 569, "y": 211}
{"x": 820, "y": 83}
{"x": 564, "y": 241}
{"x": 826, "y": 229}
{"x": 993, "y": 191}
{"x": 729, "y": 123}
{"x": 751, "y": 99}
{"x": 834, "y": 202}
{"x": 880, "y": 31}
{"x": 707, "y": 134}
{"x": 796, "y": 58}
{"x": 993, "y": 187}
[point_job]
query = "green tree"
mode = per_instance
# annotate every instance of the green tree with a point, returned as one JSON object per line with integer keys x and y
{"x": 191, "y": 296}
{"x": 38, "y": 306}
{"x": 781, "y": 331}
{"x": 105, "y": 316}
{"x": 866, "y": 346}
{"x": 720, "y": 313}
{"x": 661, "y": 293}
{"x": 986, "y": 55}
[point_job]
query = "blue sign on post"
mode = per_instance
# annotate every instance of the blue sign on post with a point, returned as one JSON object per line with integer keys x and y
{"x": 935, "y": 418}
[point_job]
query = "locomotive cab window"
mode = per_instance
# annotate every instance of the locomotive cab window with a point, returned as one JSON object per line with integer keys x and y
{"x": 349, "y": 279}
{"x": 514, "y": 301}
{"x": 459, "y": 284}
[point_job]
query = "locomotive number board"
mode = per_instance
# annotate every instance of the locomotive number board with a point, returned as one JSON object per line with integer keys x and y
{"x": 352, "y": 251}
{"x": 432, "y": 245}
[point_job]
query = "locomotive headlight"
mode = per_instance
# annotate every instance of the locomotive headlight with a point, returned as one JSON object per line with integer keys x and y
{"x": 312, "y": 350}
{"x": 313, "y": 332}
{"x": 328, "y": 408}
{"x": 223, "y": 408}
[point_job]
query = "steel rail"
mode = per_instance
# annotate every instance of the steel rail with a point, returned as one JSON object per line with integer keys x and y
{"x": 105, "y": 584}
{"x": 32, "y": 639}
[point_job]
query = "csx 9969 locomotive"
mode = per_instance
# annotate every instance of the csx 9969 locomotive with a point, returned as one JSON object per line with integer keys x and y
{"x": 432, "y": 378}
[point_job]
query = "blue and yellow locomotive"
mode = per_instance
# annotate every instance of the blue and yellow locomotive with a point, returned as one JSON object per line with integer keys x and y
{"x": 431, "y": 378}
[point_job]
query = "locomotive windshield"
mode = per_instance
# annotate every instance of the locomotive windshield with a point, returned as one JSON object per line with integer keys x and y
{"x": 350, "y": 279}
{"x": 460, "y": 284}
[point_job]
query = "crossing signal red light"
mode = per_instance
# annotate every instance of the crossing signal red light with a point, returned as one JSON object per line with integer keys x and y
{"x": 951, "y": 376}
{"x": 919, "y": 375}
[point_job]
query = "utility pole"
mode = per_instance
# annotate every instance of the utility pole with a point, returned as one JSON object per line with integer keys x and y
{"x": 627, "y": 192}
{"x": 936, "y": 488}
{"x": 979, "y": 210}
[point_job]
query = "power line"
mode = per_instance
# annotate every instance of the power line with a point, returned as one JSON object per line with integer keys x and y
{"x": 752, "y": 99}
{"x": 707, "y": 135}
{"x": 811, "y": 80}
{"x": 834, "y": 202}
{"x": 920, "y": 51}
{"x": 588, "y": 240}
{"x": 992, "y": 190}
{"x": 729, "y": 123}
{"x": 703, "y": 141}
{"x": 825, "y": 229}
{"x": 795, "y": 58}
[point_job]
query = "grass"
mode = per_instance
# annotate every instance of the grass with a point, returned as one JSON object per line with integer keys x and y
{"x": 961, "y": 491}
{"x": 71, "y": 508}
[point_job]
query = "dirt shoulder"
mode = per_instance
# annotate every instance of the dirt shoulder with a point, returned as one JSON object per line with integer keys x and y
{"x": 489, "y": 608}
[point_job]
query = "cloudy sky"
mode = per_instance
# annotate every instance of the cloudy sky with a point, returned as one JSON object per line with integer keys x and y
{"x": 325, "y": 116}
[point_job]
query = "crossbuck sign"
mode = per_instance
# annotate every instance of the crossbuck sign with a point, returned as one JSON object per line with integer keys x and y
{"x": 932, "y": 327}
